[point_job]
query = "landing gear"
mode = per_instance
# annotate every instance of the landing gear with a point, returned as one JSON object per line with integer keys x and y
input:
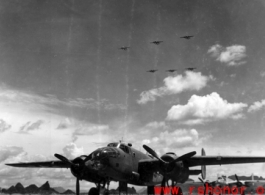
{"x": 93, "y": 191}
{"x": 100, "y": 189}
{"x": 150, "y": 190}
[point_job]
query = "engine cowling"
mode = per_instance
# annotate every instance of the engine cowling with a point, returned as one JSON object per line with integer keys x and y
{"x": 77, "y": 170}
{"x": 176, "y": 172}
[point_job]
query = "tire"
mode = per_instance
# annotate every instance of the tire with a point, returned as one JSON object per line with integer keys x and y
{"x": 93, "y": 191}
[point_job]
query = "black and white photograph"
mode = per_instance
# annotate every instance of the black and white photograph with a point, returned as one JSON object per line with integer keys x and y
{"x": 102, "y": 97}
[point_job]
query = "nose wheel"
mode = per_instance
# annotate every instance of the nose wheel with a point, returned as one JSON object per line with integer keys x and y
{"x": 100, "y": 189}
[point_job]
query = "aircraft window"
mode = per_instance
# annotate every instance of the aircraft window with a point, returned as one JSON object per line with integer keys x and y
{"x": 113, "y": 145}
{"x": 124, "y": 148}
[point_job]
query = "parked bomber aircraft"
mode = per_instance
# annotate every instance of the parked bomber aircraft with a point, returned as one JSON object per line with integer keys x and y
{"x": 123, "y": 163}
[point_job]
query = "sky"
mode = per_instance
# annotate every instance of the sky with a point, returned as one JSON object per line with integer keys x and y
{"x": 66, "y": 86}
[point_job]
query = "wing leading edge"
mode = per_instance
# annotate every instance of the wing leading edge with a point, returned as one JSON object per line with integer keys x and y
{"x": 222, "y": 160}
{"x": 46, "y": 164}
{"x": 153, "y": 164}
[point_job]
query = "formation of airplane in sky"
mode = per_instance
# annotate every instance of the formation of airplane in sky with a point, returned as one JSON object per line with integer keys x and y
{"x": 122, "y": 163}
{"x": 172, "y": 70}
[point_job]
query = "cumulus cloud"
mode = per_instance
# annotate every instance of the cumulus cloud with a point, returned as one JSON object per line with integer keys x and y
{"x": 4, "y": 126}
{"x": 191, "y": 81}
{"x": 177, "y": 139}
{"x": 9, "y": 151}
{"x": 72, "y": 151}
{"x": 257, "y": 106}
{"x": 201, "y": 109}
{"x": 232, "y": 55}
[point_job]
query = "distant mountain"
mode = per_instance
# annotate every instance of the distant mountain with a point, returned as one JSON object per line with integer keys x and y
{"x": 68, "y": 192}
{"x": 31, "y": 189}
{"x": 59, "y": 189}
{"x": 245, "y": 177}
{"x": 129, "y": 190}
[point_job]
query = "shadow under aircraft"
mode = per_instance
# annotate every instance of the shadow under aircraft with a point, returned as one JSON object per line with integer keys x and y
{"x": 120, "y": 162}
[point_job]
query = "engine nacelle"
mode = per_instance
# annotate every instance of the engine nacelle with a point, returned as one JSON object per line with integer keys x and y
{"x": 176, "y": 172}
{"x": 79, "y": 165}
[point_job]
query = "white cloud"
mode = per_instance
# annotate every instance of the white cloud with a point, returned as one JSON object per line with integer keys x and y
{"x": 256, "y": 106}
{"x": 11, "y": 175}
{"x": 9, "y": 151}
{"x": 156, "y": 125}
{"x": 232, "y": 55}
{"x": 27, "y": 97}
{"x": 89, "y": 129}
{"x": 72, "y": 151}
{"x": 191, "y": 81}
{"x": 200, "y": 109}
{"x": 179, "y": 138}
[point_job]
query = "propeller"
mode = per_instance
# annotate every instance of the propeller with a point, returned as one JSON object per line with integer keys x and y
{"x": 204, "y": 184}
{"x": 71, "y": 164}
{"x": 154, "y": 154}
{"x": 64, "y": 159}
{"x": 165, "y": 164}
{"x": 239, "y": 183}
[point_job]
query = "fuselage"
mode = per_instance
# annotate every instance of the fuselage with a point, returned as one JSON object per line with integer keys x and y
{"x": 121, "y": 162}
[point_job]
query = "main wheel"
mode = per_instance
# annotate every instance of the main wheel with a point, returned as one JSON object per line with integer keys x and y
{"x": 93, "y": 191}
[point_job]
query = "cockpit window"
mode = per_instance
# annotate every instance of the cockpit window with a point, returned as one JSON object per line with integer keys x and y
{"x": 124, "y": 148}
{"x": 113, "y": 145}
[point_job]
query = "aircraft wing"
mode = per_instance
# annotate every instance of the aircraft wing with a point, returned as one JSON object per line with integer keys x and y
{"x": 46, "y": 164}
{"x": 222, "y": 160}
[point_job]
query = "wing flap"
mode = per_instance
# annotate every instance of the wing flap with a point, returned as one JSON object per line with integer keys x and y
{"x": 46, "y": 164}
{"x": 222, "y": 160}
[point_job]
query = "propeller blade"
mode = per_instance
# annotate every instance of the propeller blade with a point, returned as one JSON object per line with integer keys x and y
{"x": 153, "y": 153}
{"x": 183, "y": 157}
{"x": 239, "y": 183}
{"x": 64, "y": 159}
{"x": 77, "y": 186}
{"x": 236, "y": 178}
{"x": 163, "y": 184}
{"x": 201, "y": 180}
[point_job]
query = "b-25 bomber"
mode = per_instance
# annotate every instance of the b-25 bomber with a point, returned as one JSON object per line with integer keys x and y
{"x": 122, "y": 163}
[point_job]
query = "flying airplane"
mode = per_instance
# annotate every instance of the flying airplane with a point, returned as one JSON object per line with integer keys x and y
{"x": 152, "y": 71}
{"x": 190, "y": 69}
{"x": 122, "y": 163}
{"x": 157, "y": 42}
{"x": 187, "y": 37}
{"x": 171, "y": 70}
{"x": 124, "y": 48}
